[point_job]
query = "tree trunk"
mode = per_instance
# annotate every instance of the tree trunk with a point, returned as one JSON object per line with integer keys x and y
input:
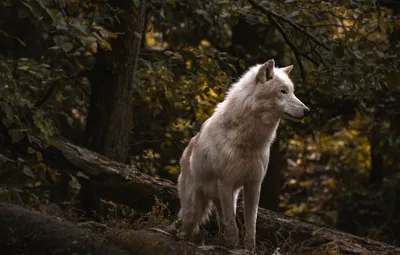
{"x": 376, "y": 174}
{"x": 271, "y": 186}
{"x": 109, "y": 120}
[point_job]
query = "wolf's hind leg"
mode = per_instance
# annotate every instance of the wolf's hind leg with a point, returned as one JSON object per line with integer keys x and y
{"x": 218, "y": 208}
{"x": 195, "y": 211}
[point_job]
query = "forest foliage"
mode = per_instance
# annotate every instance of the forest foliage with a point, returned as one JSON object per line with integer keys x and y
{"x": 342, "y": 162}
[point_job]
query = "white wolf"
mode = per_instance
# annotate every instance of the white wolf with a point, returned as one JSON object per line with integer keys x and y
{"x": 231, "y": 152}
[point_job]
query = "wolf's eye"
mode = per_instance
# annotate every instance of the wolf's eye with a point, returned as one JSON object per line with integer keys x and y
{"x": 283, "y": 91}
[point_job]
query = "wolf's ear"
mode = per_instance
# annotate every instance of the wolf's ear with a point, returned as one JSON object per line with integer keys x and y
{"x": 287, "y": 69}
{"x": 266, "y": 71}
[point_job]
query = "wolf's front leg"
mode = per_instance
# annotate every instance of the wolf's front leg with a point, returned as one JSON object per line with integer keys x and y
{"x": 230, "y": 231}
{"x": 251, "y": 199}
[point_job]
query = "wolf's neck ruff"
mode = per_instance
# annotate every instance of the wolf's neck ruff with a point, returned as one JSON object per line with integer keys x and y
{"x": 249, "y": 131}
{"x": 247, "y": 125}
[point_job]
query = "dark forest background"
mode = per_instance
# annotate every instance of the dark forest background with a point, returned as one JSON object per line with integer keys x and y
{"x": 134, "y": 81}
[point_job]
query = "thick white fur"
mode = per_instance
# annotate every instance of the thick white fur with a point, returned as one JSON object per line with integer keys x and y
{"x": 231, "y": 152}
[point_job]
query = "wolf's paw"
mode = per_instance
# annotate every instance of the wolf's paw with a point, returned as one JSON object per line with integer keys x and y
{"x": 182, "y": 235}
{"x": 175, "y": 227}
{"x": 249, "y": 243}
{"x": 231, "y": 241}
{"x": 230, "y": 244}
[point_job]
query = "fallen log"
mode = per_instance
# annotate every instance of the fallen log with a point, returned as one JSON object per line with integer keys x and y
{"x": 127, "y": 185}
{"x": 112, "y": 180}
{"x": 28, "y": 232}
{"x": 24, "y": 231}
{"x": 315, "y": 239}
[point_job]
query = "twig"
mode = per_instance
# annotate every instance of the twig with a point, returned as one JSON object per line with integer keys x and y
{"x": 47, "y": 94}
{"x": 321, "y": 59}
{"x": 326, "y": 25}
{"x": 291, "y": 45}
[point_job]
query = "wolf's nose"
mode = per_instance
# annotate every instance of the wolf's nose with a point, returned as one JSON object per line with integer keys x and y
{"x": 306, "y": 111}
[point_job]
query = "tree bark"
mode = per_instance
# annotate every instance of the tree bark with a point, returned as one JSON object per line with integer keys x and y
{"x": 126, "y": 185}
{"x": 317, "y": 239}
{"x": 28, "y": 232}
{"x": 109, "y": 120}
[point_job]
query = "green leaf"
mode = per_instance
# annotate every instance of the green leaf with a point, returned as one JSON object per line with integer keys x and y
{"x": 67, "y": 47}
{"x": 74, "y": 183}
{"x": 7, "y": 122}
{"x": 6, "y": 108}
{"x": 60, "y": 23}
{"x": 233, "y": 67}
{"x": 21, "y": 160}
{"x": 60, "y": 40}
{"x": 87, "y": 41}
{"x": 16, "y": 135}
{"x": 4, "y": 159}
{"x": 28, "y": 171}
{"x": 242, "y": 64}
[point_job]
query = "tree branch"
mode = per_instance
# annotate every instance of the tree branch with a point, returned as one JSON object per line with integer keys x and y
{"x": 291, "y": 45}
{"x": 293, "y": 24}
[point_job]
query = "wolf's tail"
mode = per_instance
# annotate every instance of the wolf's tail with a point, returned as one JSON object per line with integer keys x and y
{"x": 195, "y": 207}
{"x": 185, "y": 159}
{"x": 184, "y": 176}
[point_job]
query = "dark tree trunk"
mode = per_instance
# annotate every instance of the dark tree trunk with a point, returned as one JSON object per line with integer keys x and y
{"x": 376, "y": 174}
{"x": 109, "y": 121}
{"x": 271, "y": 186}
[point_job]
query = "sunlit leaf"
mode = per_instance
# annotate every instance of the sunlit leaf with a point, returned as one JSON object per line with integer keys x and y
{"x": 105, "y": 44}
{"x": 78, "y": 64}
{"x": 39, "y": 156}
{"x": 53, "y": 173}
{"x": 93, "y": 47}
{"x": 82, "y": 175}
{"x": 34, "y": 184}
{"x": 112, "y": 35}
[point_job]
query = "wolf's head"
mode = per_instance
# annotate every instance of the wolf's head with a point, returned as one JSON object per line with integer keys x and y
{"x": 274, "y": 93}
